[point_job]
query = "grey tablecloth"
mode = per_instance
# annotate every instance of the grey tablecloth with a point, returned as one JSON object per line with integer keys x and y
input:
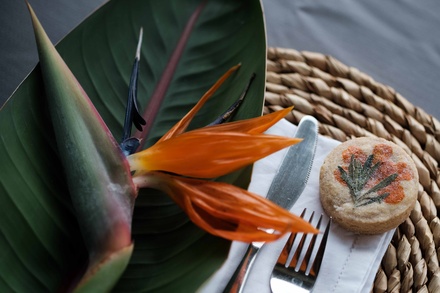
{"x": 395, "y": 42}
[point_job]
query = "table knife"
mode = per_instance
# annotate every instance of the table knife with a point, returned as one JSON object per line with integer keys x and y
{"x": 287, "y": 185}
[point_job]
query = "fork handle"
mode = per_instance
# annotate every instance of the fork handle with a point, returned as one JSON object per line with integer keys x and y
{"x": 238, "y": 279}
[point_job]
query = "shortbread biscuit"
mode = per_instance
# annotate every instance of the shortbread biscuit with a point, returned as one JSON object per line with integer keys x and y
{"x": 368, "y": 185}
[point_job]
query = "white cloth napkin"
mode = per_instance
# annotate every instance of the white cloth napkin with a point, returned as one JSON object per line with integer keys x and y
{"x": 350, "y": 261}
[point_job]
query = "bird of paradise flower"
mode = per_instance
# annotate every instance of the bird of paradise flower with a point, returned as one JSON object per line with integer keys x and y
{"x": 104, "y": 182}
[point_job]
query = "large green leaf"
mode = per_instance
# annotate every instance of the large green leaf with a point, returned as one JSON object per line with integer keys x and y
{"x": 40, "y": 243}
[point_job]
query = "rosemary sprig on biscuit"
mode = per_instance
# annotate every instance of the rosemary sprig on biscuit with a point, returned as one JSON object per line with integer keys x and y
{"x": 358, "y": 176}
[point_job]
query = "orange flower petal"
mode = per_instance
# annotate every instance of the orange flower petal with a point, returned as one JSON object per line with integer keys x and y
{"x": 184, "y": 122}
{"x": 225, "y": 210}
{"x": 206, "y": 154}
{"x": 253, "y": 125}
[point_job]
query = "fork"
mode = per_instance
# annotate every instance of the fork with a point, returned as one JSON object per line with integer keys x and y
{"x": 298, "y": 273}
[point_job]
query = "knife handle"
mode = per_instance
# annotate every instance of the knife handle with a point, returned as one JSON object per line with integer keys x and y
{"x": 238, "y": 279}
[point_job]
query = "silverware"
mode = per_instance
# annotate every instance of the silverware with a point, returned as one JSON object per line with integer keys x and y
{"x": 299, "y": 272}
{"x": 287, "y": 186}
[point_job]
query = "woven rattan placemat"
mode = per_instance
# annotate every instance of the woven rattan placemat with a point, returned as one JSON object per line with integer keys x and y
{"x": 347, "y": 104}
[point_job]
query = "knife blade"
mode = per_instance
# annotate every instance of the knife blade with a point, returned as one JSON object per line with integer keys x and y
{"x": 293, "y": 174}
{"x": 286, "y": 187}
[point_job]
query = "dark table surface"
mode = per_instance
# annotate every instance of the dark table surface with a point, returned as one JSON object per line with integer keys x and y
{"x": 395, "y": 42}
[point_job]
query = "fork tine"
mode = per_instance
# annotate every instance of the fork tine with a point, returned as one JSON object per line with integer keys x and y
{"x": 284, "y": 255}
{"x": 320, "y": 254}
{"x": 300, "y": 273}
{"x": 299, "y": 258}
{"x": 310, "y": 257}
{"x": 307, "y": 257}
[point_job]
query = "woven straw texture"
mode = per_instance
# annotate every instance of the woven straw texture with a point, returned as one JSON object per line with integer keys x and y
{"x": 348, "y": 104}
